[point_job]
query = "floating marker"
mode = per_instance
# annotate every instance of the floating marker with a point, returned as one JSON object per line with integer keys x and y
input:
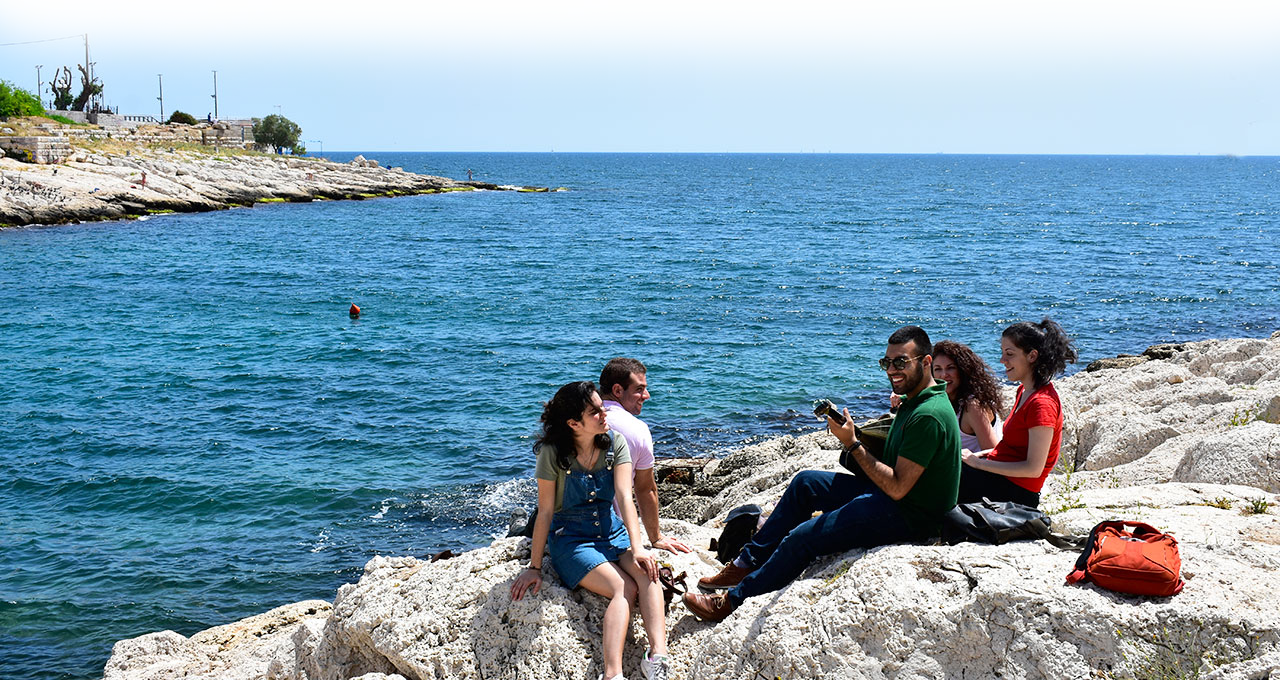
{"x": 354, "y": 311}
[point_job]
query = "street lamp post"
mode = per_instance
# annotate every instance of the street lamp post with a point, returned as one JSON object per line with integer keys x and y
{"x": 215, "y": 95}
{"x": 160, "y": 78}
{"x": 39, "y": 85}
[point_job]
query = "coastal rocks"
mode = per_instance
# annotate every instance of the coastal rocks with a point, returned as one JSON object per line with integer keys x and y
{"x": 1188, "y": 444}
{"x": 1211, "y": 412}
{"x": 99, "y": 185}
{"x": 240, "y": 650}
{"x": 455, "y": 619}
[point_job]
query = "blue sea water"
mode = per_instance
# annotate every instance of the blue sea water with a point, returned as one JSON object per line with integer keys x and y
{"x": 195, "y": 431}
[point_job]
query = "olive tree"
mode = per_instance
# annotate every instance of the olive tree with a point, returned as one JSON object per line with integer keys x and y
{"x": 277, "y": 132}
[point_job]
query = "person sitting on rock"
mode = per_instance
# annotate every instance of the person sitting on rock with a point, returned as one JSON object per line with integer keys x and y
{"x": 974, "y": 394}
{"x": 625, "y": 388}
{"x": 901, "y": 496}
{"x": 582, "y": 466}
{"x": 1015, "y": 469}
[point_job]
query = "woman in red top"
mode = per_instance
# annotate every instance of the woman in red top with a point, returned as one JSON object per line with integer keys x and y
{"x": 1016, "y": 468}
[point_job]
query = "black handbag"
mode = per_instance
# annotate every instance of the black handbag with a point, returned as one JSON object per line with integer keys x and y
{"x": 1000, "y": 522}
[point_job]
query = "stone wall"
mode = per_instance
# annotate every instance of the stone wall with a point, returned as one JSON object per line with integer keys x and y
{"x": 222, "y": 134}
{"x": 39, "y": 150}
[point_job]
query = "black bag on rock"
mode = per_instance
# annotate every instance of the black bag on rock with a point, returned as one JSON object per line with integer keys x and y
{"x": 1001, "y": 522}
{"x": 739, "y": 528}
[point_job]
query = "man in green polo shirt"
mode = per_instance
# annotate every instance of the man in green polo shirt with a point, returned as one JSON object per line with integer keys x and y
{"x": 900, "y": 496}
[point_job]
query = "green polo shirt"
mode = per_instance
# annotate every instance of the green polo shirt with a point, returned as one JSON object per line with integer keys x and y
{"x": 926, "y": 432}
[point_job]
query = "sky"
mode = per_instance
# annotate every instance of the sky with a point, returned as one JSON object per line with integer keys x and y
{"x": 1084, "y": 77}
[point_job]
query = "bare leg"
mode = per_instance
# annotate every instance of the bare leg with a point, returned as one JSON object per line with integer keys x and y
{"x": 651, "y": 604}
{"x": 609, "y": 581}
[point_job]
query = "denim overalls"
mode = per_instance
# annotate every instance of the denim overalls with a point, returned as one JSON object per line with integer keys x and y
{"x": 586, "y": 531}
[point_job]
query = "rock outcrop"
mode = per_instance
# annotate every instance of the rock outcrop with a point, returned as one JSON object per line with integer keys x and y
{"x": 101, "y": 185}
{"x": 1188, "y": 443}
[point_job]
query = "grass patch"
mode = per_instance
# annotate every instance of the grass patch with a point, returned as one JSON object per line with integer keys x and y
{"x": 63, "y": 119}
{"x": 533, "y": 190}
{"x": 1069, "y": 486}
{"x": 1257, "y": 506}
{"x": 1241, "y": 417}
{"x": 161, "y": 211}
{"x": 1221, "y": 502}
{"x": 272, "y": 199}
{"x": 445, "y": 190}
{"x": 1185, "y": 654}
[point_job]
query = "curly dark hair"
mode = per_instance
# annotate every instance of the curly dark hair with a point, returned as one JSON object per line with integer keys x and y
{"x": 1054, "y": 349}
{"x": 568, "y": 404}
{"x": 976, "y": 380}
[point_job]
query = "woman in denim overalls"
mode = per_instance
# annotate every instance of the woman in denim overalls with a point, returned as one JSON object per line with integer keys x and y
{"x": 581, "y": 468}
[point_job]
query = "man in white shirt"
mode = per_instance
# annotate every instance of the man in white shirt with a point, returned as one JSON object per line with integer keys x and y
{"x": 624, "y": 389}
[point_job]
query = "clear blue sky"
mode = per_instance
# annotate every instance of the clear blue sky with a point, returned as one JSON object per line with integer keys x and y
{"x": 907, "y": 77}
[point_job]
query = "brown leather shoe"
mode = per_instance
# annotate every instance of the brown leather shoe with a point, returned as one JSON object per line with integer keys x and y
{"x": 728, "y": 577}
{"x": 709, "y": 607}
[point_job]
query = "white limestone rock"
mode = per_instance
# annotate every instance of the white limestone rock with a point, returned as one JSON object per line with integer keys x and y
{"x": 1184, "y": 459}
{"x": 243, "y": 650}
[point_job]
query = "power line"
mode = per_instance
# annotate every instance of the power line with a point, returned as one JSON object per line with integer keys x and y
{"x": 32, "y": 42}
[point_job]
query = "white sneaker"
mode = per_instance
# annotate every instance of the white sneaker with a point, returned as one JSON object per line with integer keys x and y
{"x": 616, "y": 677}
{"x": 656, "y": 667}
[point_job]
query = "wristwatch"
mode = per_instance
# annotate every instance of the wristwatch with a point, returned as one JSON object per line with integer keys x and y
{"x": 851, "y": 448}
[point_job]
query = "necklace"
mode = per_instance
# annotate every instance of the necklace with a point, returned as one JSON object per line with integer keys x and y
{"x": 594, "y": 457}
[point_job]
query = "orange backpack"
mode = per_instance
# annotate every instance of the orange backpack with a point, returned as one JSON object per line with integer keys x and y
{"x": 1140, "y": 562}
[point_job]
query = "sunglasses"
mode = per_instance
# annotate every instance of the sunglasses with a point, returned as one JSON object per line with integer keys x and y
{"x": 898, "y": 363}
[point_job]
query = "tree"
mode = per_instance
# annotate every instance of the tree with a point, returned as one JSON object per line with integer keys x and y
{"x": 15, "y": 101}
{"x": 277, "y": 132}
{"x": 89, "y": 88}
{"x": 61, "y": 89}
{"x": 180, "y": 117}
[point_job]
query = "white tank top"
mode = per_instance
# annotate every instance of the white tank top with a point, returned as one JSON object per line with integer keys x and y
{"x": 970, "y": 441}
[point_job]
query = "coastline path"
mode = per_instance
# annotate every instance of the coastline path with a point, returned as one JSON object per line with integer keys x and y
{"x": 128, "y": 181}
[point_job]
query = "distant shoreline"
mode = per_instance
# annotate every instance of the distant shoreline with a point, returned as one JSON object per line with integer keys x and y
{"x": 118, "y": 181}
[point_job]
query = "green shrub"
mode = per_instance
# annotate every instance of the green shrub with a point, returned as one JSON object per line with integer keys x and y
{"x": 180, "y": 117}
{"x": 15, "y": 101}
{"x": 62, "y": 119}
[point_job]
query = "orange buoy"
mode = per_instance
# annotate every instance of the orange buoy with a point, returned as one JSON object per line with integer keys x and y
{"x": 354, "y": 311}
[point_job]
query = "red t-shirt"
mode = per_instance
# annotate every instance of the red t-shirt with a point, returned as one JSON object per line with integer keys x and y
{"x": 1043, "y": 408}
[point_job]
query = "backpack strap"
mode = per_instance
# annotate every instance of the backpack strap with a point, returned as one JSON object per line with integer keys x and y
{"x": 1060, "y": 541}
{"x": 608, "y": 457}
{"x": 1091, "y": 544}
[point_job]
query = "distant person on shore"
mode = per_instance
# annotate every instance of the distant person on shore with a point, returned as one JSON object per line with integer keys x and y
{"x": 582, "y": 467}
{"x": 900, "y": 496}
{"x": 625, "y": 387}
{"x": 468, "y": 174}
{"x": 1016, "y": 467}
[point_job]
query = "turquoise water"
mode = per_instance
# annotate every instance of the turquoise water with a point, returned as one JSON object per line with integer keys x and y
{"x": 197, "y": 432}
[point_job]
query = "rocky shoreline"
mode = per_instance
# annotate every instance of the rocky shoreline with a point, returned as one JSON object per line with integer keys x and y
{"x": 122, "y": 181}
{"x": 1188, "y": 441}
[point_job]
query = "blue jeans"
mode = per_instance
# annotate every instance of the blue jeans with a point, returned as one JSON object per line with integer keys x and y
{"x": 855, "y": 514}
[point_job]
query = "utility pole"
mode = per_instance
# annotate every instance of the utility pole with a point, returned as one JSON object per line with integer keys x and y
{"x": 160, "y": 77}
{"x": 88, "y": 68}
{"x": 215, "y": 95}
{"x": 39, "y": 85}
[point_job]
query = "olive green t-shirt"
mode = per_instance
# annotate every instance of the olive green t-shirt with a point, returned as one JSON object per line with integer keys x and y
{"x": 549, "y": 470}
{"x": 926, "y": 432}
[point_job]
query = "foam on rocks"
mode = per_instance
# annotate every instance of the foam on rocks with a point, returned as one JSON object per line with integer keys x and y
{"x": 1188, "y": 443}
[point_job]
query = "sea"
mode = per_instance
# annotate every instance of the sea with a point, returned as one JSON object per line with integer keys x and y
{"x": 196, "y": 431}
